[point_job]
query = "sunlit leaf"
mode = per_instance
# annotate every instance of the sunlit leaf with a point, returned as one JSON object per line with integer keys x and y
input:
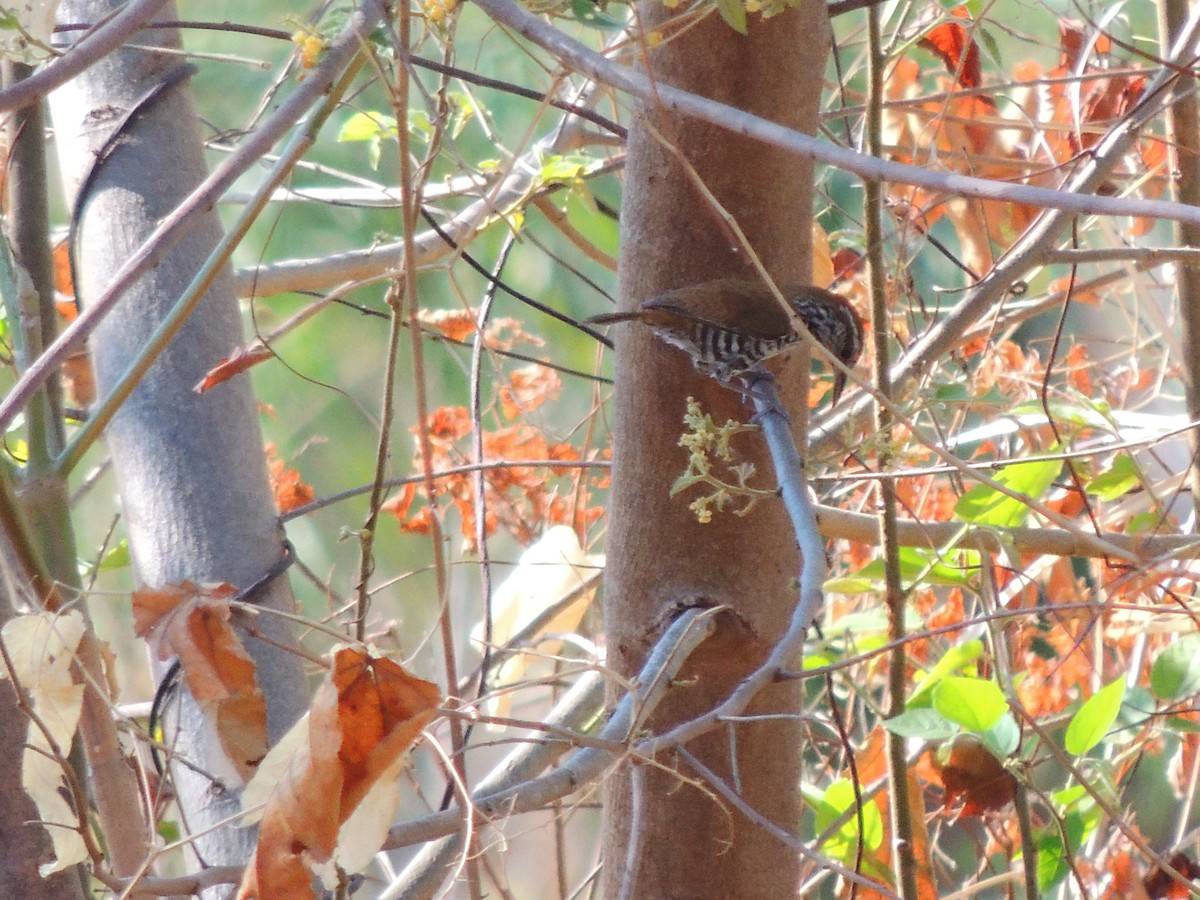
{"x": 734, "y": 14}
{"x": 927, "y": 724}
{"x": 363, "y": 719}
{"x": 984, "y": 505}
{"x": 1092, "y": 721}
{"x": 1176, "y": 672}
{"x": 974, "y": 703}
{"x": 837, "y": 799}
{"x": 953, "y": 660}
{"x": 1121, "y": 478}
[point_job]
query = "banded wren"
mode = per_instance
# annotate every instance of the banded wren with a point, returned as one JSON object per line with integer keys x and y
{"x": 729, "y": 325}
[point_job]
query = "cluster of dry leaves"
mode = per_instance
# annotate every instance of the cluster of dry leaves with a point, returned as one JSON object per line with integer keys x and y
{"x": 1037, "y": 133}
{"x": 530, "y": 482}
{"x": 362, "y": 720}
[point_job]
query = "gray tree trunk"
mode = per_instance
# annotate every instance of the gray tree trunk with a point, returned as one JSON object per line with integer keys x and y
{"x": 190, "y": 468}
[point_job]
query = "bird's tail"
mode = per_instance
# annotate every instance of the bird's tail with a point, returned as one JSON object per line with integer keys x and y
{"x": 610, "y": 318}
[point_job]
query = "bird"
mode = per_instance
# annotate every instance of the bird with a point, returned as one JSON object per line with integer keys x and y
{"x": 728, "y": 325}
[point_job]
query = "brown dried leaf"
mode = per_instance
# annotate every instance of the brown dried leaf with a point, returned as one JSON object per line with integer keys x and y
{"x": 971, "y": 773}
{"x": 192, "y": 622}
{"x": 366, "y": 714}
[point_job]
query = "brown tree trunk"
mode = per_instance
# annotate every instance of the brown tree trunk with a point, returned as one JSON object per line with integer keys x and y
{"x": 689, "y": 844}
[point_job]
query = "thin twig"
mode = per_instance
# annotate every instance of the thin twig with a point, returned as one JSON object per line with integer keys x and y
{"x": 899, "y": 800}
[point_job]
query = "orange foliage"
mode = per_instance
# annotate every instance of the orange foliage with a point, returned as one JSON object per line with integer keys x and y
{"x": 926, "y": 497}
{"x": 527, "y": 389}
{"x": 460, "y": 325}
{"x": 1055, "y": 119}
{"x": 1079, "y": 369}
{"x": 290, "y": 490}
{"x": 519, "y": 498}
{"x": 1051, "y": 684}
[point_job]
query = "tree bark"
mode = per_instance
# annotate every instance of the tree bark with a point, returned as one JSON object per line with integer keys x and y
{"x": 660, "y": 558}
{"x": 190, "y": 468}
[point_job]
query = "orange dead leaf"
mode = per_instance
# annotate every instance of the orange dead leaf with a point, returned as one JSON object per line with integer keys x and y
{"x": 290, "y": 490}
{"x": 62, "y": 279}
{"x": 456, "y": 324}
{"x": 1126, "y": 883}
{"x": 822, "y": 261}
{"x": 954, "y": 45}
{"x": 523, "y": 499}
{"x": 971, "y": 773}
{"x": 241, "y": 360}
{"x": 363, "y": 718}
{"x": 461, "y": 325}
{"x": 79, "y": 381}
{"x": 1074, "y": 43}
{"x": 846, "y": 262}
{"x": 192, "y": 622}
{"x": 527, "y": 389}
{"x": 399, "y": 504}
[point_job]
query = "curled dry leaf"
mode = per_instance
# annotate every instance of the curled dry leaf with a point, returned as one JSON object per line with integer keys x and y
{"x": 363, "y": 719}
{"x": 192, "y": 622}
{"x": 460, "y": 325}
{"x": 971, "y": 772}
{"x": 239, "y": 361}
{"x": 522, "y": 499}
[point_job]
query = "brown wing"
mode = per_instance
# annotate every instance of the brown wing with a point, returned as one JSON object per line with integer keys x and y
{"x": 738, "y": 304}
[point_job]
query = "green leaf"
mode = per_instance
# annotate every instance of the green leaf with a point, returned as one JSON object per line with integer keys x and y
{"x": 116, "y": 558}
{"x": 865, "y": 624}
{"x": 1053, "y": 857}
{"x": 974, "y": 703}
{"x": 1176, "y": 672}
{"x": 1121, "y": 478}
{"x": 925, "y": 566}
{"x": 1093, "y": 720}
{"x": 1003, "y": 738}
{"x": 734, "y": 14}
{"x": 1180, "y": 725}
{"x": 463, "y": 112}
{"x": 1138, "y": 706}
{"x": 568, "y": 168}
{"x": 1094, "y": 414}
{"x": 849, "y": 584}
{"x": 983, "y": 505}
{"x": 843, "y": 843}
{"x": 954, "y": 660}
{"x": 927, "y": 724}
{"x": 367, "y": 126}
